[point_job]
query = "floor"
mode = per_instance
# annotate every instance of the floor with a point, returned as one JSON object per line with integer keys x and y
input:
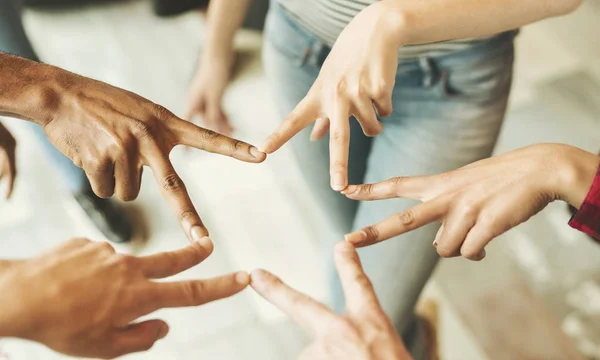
{"x": 556, "y": 98}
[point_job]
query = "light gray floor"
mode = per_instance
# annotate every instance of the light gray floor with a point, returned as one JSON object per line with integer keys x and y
{"x": 263, "y": 216}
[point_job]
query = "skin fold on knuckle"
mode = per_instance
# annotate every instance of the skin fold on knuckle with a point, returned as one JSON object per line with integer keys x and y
{"x": 372, "y": 233}
{"x": 173, "y": 183}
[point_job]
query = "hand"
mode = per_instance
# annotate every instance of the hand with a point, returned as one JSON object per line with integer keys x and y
{"x": 206, "y": 94}
{"x": 482, "y": 200}
{"x": 8, "y": 169}
{"x": 82, "y": 299}
{"x": 112, "y": 133}
{"x": 364, "y": 333}
{"x": 358, "y": 74}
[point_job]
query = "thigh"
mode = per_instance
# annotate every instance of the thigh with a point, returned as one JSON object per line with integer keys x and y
{"x": 292, "y": 58}
{"x": 447, "y": 113}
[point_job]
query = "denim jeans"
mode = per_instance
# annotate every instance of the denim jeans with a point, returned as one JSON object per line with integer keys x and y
{"x": 14, "y": 40}
{"x": 448, "y": 111}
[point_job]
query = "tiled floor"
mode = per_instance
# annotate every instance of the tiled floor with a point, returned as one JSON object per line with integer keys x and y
{"x": 555, "y": 99}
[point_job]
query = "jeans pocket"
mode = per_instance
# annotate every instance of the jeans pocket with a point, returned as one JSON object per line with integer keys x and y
{"x": 285, "y": 36}
{"x": 478, "y": 79}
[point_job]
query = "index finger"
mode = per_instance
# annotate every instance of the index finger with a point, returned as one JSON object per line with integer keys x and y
{"x": 173, "y": 190}
{"x": 194, "y": 136}
{"x": 358, "y": 290}
{"x": 170, "y": 263}
{"x": 339, "y": 144}
{"x": 303, "y": 114}
{"x": 195, "y": 292}
{"x": 405, "y": 187}
{"x": 403, "y": 222}
{"x": 308, "y": 313}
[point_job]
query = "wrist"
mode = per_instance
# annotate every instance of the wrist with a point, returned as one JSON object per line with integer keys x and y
{"x": 396, "y": 20}
{"x": 27, "y": 91}
{"x": 576, "y": 173}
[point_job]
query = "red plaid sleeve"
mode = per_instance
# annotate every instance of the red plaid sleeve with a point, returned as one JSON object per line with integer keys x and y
{"x": 587, "y": 218}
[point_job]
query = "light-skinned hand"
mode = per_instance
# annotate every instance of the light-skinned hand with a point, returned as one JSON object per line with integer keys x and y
{"x": 82, "y": 299}
{"x": 205, "y": 95}
{"x": 357, "y": 77}
{"x": 480, "y": 201}
{"x": 363, "y": 333}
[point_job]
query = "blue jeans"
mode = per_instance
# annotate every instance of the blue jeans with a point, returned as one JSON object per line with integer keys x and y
{"x": 448, "y": 111}
{"x": 14, "y": 40}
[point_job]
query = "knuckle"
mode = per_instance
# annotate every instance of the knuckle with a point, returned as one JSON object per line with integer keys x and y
{"x": 467, "y": 208}
{"x": 105, "y": 247}
{"x": 341, "y": 86}
{"x": 161, "y": 112}
{"x": 337, "y": 135}
{"x": 188, "y": 216}
{"x": 367, "y": 189}
{"x": 363, "y": 282}
{"x": 194, "y": 291}
{"x": 470, "y": 252}
{"x": 141, "y": 130}
{"x": 396, "y": 181}
{"x": 372, "y": 233}
{"x": 381, "y": 89}
{"x": 173, "y": 182}
{"x": 209, "y": 135}
{"x": 406, "y": 217}
{"x": 236, "y": 146}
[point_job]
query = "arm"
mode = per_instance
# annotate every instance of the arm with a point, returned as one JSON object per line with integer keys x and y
{"x": 360, "y": 71}
{"x": 111, "y": 133}
{"x": 419, "y": 22}
{"x": 481, "y": 201}
{"x": 224, "y": 18}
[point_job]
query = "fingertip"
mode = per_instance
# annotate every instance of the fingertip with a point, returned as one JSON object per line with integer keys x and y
{"x": 339, "y": 181}
{"x": 257, "y": 154}
{"x": 242, "y": 278}
{"x": 350, "y": 190}
{"x": 206, "y": 243}
{"x": 163, "y": 330}
{"x": 357, "y": 238}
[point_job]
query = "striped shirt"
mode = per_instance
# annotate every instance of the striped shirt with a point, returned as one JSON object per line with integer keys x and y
{"x": 327, "y": 18}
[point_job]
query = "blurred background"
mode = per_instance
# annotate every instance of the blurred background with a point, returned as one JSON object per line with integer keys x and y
{"x": 535, "y": 296}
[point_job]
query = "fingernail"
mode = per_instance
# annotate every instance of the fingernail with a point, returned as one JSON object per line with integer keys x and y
{"x": 356, "y": 237}
{"x": 350, "y": 189}
{"x": 206, "y": 243}
{"x": 197, "y": 233}
{"x": 242, "y": 278}
{"x": 162, "y": 332}
{"x": 338, "y": 181}
{"x": 255, "y": 152}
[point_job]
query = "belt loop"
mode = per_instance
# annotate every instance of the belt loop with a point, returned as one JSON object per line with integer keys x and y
{"x": 428, "y": 71}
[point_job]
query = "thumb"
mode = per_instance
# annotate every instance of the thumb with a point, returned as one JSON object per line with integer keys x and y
{"x": 139, "y": 337}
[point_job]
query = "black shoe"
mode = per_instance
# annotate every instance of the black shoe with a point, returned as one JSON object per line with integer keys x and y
{"x": 107, "y": 216}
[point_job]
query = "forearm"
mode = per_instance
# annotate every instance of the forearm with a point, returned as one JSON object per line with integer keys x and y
{"x": 27, "y": 89}
{"x": 420, "y": 22}
{"x": 224, "y": 18}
